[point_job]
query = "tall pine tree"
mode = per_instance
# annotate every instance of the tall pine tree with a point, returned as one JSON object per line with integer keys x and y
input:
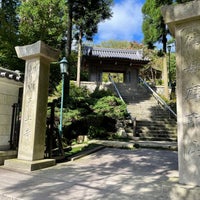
{"x": 154, "y": 28}
{"x": 86, "y": 16}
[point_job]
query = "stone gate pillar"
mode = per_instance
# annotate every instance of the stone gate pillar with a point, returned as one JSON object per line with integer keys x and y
{"x": 183, "y": 21}
{"x": 33, "y": 122}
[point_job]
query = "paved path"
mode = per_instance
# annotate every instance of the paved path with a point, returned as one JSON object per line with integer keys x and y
{"x": 109, "y": 174}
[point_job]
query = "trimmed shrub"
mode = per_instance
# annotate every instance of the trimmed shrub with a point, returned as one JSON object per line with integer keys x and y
{"x": 110, "y": 106}
{"x": 94, "y": 113}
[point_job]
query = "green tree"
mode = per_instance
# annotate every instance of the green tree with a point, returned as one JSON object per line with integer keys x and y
{"x": 43, "y": 20}
{"x": 9, "y": 34}
{"x": 86, "y": 16}
{"x": 154, "y": 28}
{"x": 116, "y": 44}
{"x": 68, "y": 44}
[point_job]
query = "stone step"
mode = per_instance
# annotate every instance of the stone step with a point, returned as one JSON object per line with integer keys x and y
{"x": 147, "y": 108}
{"x": 157, "y": 127}
{"x": 152, "y": 118}
{"x": 158, "y": 124}
{"x": 143, "y": 111}
{"x": 135, "y": 99}
{"x": 150, "y": 106}
{"x": 159, "y": 138}
{"x": 155, "y": 133}
{"x": 161, "y": 125}
{"x": 152, "y": 121}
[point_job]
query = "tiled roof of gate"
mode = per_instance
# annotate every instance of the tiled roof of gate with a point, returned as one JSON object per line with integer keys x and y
{"x": 9, "y": 74}
{"x": 114, "y": 53}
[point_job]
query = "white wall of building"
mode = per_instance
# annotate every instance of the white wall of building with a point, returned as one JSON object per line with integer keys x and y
{"x": 9, "y": 91}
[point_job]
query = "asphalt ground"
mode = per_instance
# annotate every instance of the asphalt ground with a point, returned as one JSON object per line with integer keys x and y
{"x": 109, "y": 174}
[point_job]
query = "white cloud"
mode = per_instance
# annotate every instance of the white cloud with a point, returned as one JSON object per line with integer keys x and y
{"x": 126, "y": 23}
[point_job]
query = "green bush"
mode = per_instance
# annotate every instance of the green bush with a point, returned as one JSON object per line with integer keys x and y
{"x": 94, "y": 113}
{"x": 170, "y": 102}
{"x": 78, "y": 92}
{"x": 101, "y": 93}
{"x": 97, "y": 132}
{"x": 110, "y": 106}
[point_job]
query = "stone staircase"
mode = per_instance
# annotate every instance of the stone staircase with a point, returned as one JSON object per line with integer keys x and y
{"x": 153, "y": 122}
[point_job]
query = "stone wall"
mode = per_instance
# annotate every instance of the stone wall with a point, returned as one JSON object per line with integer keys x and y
{"x": 91, "y": 86}
{"x": 9, "y": 91}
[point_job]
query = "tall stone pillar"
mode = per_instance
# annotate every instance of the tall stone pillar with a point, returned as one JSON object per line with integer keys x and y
{"x": 183, "y": 21}
{"x": 33, "y": 122}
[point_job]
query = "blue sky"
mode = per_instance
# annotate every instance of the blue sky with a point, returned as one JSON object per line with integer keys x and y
{"x": 125, "y": 24}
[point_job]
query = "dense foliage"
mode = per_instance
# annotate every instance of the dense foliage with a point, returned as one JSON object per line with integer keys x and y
{"x": 116, "y": 44}
{"x": 87, "y": 15}
{"x": 25, "y": 22}
{"x": 9, "y": 36}
{"x": 109, "y": 106}
{"x": 49, "y": 21}
{"x": 94, "y": 114}
{"x": 42, "y": 20}
{"x": 154, "y": 28}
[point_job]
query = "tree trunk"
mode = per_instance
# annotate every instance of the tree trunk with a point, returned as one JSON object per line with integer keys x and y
{"x": 69, "y": 30}
{"x": 78, "y": 79}
{"x": 164, "y": 37}
{"x": 67, "y": 50}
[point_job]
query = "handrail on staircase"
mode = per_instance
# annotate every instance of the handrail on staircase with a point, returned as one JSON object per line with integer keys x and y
{"x": 118, "y": 93}
{"x": 158, "y": 98}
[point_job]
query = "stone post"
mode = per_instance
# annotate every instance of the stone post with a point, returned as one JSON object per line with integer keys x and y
{"x": 183, "y": 21}
{"x": 33, "y": 122}
{"x": 165, "y": 78}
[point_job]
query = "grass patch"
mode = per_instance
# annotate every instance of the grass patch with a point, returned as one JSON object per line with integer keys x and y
{"x": 78, "y": 149}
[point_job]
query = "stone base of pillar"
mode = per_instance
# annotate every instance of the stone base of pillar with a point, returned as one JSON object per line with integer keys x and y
{"x": 24, "y": 165}
{"x": 8, "y": 154}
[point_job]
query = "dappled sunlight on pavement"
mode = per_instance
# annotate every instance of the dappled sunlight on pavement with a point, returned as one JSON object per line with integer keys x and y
{"x": 107, "y": 174}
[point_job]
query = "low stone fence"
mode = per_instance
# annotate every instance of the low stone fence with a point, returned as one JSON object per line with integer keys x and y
{"x": 91, "y": 86}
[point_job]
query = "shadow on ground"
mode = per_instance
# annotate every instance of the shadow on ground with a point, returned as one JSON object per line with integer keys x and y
{"x": 108, "y": 174}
